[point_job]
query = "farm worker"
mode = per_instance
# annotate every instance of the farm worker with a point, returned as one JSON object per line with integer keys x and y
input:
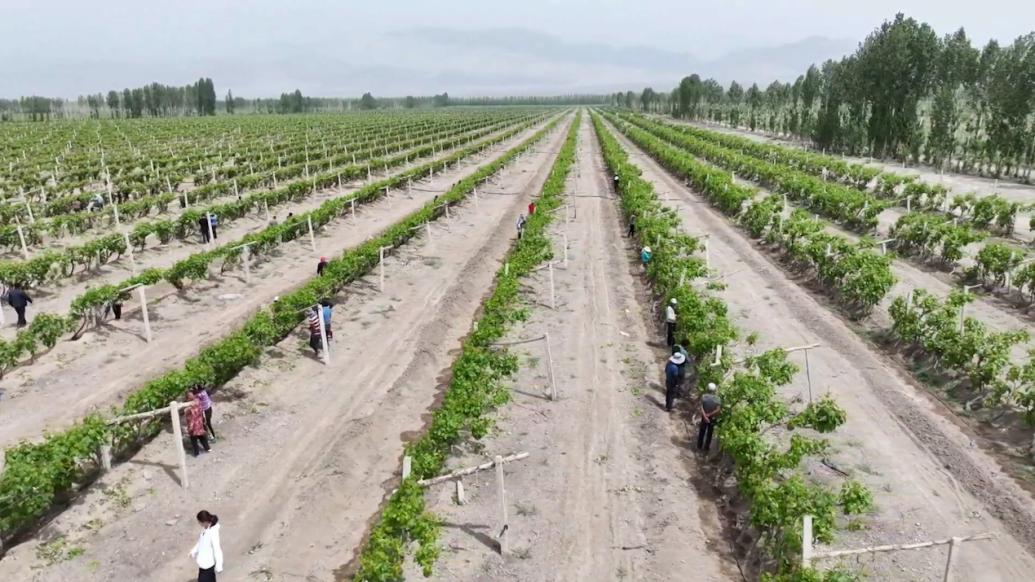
{"x": 19, "y": 300}
{"x": 325, "y": 308}
{"x": 645, "y": 255}
{"x": 521, "y": 226}
{"x": 206, "y": 407}
{"x": 207, "y": 552}
{"x": 274, "y": 222}
{"x": 116, "y": 306}
{"x": 96, "y": 203}
{"x": 531, "y": 208}
{"x": 632, "y": 226}
{"x": 673, "y": 369}
{"x": 711, "y": 404}
{"x": 321, "y": 265}
{"x": 203, "y": 224}
{"x": 616, "y": 184}
{"x": 678, "y": 349}
{"x": 670, "y": 323}
{"x": 213, "y": 222}
{"x": 196, "y": 424}
{"x": 315, "y": 339}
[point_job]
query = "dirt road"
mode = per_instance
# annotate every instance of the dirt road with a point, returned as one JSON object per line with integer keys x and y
{"x": 606, "y": 493}
{"x": 306, "y": 450}
{"x": 928, "y": 478}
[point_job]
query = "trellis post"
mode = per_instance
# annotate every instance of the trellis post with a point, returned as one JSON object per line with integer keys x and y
{"x": 174, "y": 414}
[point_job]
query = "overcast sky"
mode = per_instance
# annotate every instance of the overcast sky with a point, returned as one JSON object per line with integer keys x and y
{"x": 338, "y": 48}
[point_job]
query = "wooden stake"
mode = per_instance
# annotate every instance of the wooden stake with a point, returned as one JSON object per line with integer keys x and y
{"x": 407, "y": 466}
{"x": 461, "y": 498}
{"x": 502, "y": 494}
{"x": 174, "y": 413}
{"x": 549, "y": 367}
{"x": 806, "y": 541}
{"x": 143, "y": 311}
{"x": 353, "y": 204}
{"x": 129, "y": 249}
{"x": 326, "y": 354}
{"x": 553, "y": 296}
{"x": 951, "y": 560}
{"x": 106, "y": 458}
{"x": 21, "y": 237}
{"x": 381, "y": 265}
{"x": 312, "y": 238}
{"x": 208, "y": 225}
{"x": 266, "y": 207}
{"x": 247, "y": 264}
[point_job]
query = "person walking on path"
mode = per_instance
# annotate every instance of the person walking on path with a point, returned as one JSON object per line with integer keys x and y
{"x": 616, "y": 184}
{"x": 531, "y": 208}
{"x": 18, "y": 299}
{"x": 206, "y": 407}
{"x": 315, "y": 339}
{"x": 672, "y": 374}
{"x": 711, "y": 404}
{"x": 196, "y": 424}
{"x": 670, "y": 323}
{"x": 632, "y": 226}
{"x": 321, "y": 265}
{"x": 325, "y": 308}
{"x": 207, "y": 552}
{"x": 521, "y": 226}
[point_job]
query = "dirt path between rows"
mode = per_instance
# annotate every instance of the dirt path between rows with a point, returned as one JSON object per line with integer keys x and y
{"x": 98, "y": 370}
{"x": 928, "y": 478}
{"x": 306, "y": 450}
{"x": 606, "y": 493}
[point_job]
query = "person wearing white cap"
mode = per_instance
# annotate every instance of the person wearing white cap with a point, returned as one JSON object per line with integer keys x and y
{"x": 645, "y": 255}
{"x": 673, "y": 374}
{"x": 670, "y": 323}
{"x": 711, "y": 404}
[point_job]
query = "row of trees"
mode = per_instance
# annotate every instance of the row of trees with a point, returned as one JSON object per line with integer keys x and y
{"x": 906, "y": 93}
{"x": 155, "y": 100}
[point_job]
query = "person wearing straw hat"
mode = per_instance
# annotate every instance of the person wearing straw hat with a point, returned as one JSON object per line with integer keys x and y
{"x": 670, "y": 323}
{"x": 711, "y": 404}
{"x": 645, "y": 256}
{"x": 673, "y": 373}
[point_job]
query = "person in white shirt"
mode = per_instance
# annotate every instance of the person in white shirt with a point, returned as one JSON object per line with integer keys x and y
{"x": 670, "y": 322}
{"x": 207, "y": 552}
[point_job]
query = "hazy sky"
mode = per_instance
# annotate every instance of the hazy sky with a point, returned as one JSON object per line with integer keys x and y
{"x": 66, "y": 47}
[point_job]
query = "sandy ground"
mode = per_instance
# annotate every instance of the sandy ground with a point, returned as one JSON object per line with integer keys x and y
{"x": 928, "y": 478}
{"x": 306, "y": 450}
{"x": 606, "y": 492}
{"x": 99, "y": 369}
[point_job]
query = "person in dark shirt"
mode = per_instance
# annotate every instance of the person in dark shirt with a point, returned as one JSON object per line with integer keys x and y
{"x": 19, "y": 300}
{"x": 321, "y": 265}
{"x": 673, "y": 373}
{"x": 711, "y": 405}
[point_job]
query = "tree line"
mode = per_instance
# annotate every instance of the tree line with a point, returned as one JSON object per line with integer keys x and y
{"x": 906, "y": 93}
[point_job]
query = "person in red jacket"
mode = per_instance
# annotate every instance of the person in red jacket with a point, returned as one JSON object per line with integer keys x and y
{"x": 531, "y": 208}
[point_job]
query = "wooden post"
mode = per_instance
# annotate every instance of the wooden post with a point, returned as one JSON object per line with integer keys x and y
{"x": 461, "y": 498}
{"x": 951, "y": 560}
{"x": 174, "y": 413}
{"x": 806, "y": 541}
{"x": 427, "y": 228}
{"x": 129, "y": 250}
{"x": 266, "y": 207}
{"x": 565, "y": 235}
{"x": 447, "y": 209}
{"x": 549, "y": 367}
{"x": 312, "y": 239}
{"x": 247, "y": 264}
{"x": 143, "y": 311}
{"x": 32, "y": 219}
{"x": 208, "y": 225}
{"x": 381, "y": 266}
{"x": 502, "y": 494}
{"x": 506, "y": 269}
{"x": 707, "y": 255}
{"x": 323, "y": 335}
{"x": 106, "y": 457}
{"x": 407, "y": 466}
{"x": 236, "y": 191}
{"x": 21, "y": 237}
{"x": 353, "y": 204}
{"x": 553, "y": 296}
{"x": 275, "y": 184}
{"x": 114, "y": 207}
